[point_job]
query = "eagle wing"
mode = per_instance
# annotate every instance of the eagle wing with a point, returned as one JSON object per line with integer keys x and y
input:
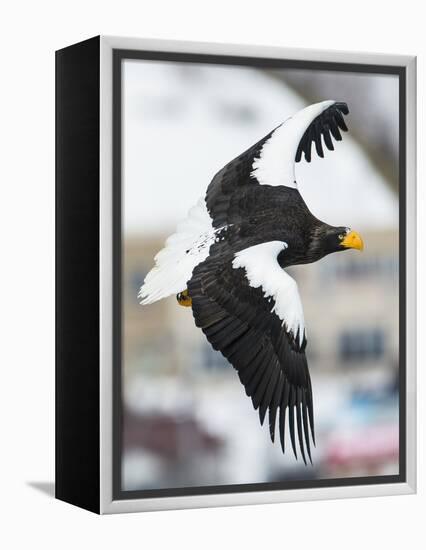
{"x": 249, "y": 309}
{"x": 271, "y": 161}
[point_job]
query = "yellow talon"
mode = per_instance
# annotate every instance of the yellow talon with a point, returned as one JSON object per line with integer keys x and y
{"x": 184, "y": 299}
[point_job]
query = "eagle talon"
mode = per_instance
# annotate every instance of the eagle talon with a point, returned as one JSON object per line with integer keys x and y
{"x": 184, "y": 299}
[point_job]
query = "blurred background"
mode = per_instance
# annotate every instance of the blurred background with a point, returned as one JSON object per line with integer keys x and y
{"x": 187, "y": 420}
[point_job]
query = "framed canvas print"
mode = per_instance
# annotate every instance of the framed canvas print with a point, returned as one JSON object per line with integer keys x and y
{"x": 235, "y": 274}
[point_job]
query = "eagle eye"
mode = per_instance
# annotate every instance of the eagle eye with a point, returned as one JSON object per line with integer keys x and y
{"x": 341, "y": 237}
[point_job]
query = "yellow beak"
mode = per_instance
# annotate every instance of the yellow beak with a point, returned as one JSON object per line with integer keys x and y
{"x": 353, "y": 240}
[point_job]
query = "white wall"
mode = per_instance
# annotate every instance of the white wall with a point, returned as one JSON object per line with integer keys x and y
{"x": 30, "y": 32}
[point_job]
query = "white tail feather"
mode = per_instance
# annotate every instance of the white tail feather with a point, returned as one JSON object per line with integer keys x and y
{"x": 183, "y": 251}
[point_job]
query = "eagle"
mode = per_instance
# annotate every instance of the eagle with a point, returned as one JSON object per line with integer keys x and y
{"x": 227, "y": 261}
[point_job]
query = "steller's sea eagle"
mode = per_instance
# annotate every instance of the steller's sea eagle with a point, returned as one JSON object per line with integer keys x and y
{"x": 227, "y": 262}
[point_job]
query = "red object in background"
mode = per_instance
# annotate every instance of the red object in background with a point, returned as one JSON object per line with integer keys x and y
{"x": 367, "y": 446}
{"x": 164, "y": 435}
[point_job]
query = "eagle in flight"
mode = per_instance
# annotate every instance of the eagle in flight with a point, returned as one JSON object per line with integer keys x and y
{"x": 227, "y": 261}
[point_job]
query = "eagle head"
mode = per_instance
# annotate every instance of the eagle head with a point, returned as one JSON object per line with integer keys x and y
{"x": 327, "y": 239}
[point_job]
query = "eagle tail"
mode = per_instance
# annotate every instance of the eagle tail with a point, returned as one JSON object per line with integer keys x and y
{"x": 183, "y": 251}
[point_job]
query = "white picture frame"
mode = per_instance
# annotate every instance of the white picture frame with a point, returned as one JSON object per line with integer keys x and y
{"x": 112, "y": 50}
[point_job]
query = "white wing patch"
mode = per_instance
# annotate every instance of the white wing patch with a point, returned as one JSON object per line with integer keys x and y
{"x": 276, "y": 164}
{"x": 263, "y": 270}
{"x": 184, "y": 250}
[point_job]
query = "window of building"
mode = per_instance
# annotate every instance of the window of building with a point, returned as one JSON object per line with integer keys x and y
{"x": 362, "y": 345}
{"x": 359, "y": 268}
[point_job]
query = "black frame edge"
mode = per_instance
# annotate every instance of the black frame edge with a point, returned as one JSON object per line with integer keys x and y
{"x": 77, "y": 414}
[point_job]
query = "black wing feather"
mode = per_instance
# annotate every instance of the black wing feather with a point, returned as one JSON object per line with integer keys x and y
{"x": 230, "y": 189}
{"x": 305, "y": 425}
{"x": 232, "y": 177}
{"x": 317, "y": 138}
{"x": 272, "y": 366}
{"x": 328, "y": 121}
{"x": 273, "y": 407}
{"x": 267, "y": 397}
{"x": 327, "y": 138}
